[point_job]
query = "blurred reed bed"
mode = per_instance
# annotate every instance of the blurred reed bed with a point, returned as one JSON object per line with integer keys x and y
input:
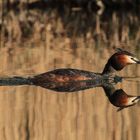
{"x": 53, "y": 30}
{"x": 35, "y": 25}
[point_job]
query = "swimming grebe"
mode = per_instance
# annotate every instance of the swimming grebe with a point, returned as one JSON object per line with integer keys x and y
{"x": 61, "y": 76}
{"x": 119, "y": 98}
{"x": 73, "y": 79}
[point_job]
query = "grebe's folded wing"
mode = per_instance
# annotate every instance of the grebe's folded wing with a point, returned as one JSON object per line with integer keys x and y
{"x": 67, "y": 80}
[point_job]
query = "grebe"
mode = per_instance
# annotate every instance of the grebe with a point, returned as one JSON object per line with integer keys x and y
{"x": 119, "y": 98}
{"x": 73, "y": 79}
{"x": 63, "y": 77}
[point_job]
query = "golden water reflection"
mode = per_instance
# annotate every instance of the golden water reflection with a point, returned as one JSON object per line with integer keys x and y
{"x": 29, "y": 112}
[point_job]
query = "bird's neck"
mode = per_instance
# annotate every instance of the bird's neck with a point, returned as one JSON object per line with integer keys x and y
{"x": 108, "y": 69}
{"x": 109, "y": 90}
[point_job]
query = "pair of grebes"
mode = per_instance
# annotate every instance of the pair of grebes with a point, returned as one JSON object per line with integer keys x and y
{"x": 69, "y": 80}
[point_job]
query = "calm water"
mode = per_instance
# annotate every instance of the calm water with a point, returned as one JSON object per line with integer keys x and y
{"x": 33, "y": 42}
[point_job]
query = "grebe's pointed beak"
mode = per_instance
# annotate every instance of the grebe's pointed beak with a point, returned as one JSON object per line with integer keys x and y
{"x": 136, "y": 99}
{"x": 134, "y": 60}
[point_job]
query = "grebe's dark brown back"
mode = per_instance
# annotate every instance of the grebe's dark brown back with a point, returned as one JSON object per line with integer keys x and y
{"x": 67, "y": 80}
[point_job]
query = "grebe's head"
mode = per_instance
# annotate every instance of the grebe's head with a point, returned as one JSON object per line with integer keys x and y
{"x": 122, "y": 58}
{"x": 119, "y": 60}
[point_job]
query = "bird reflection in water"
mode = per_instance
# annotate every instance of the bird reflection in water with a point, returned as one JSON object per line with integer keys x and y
{"x": 119, "y": 98}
